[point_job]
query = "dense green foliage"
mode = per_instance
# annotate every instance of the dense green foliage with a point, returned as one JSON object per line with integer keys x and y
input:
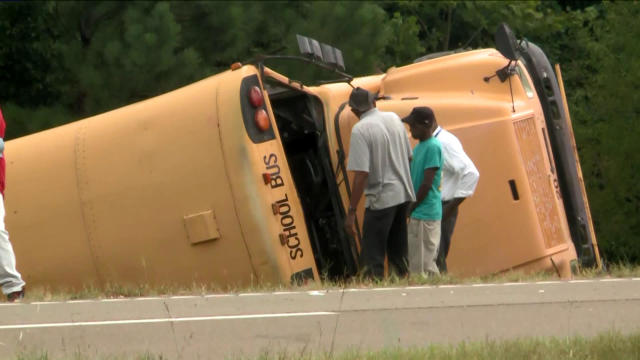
{"x": 61, "y": 61}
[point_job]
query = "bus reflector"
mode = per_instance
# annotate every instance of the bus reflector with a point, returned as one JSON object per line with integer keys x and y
{"x": 266, "y": 177}
{"x": 235, "y": 66}
{"x": 255, "y": 96}
{"x": 262, "y": 120}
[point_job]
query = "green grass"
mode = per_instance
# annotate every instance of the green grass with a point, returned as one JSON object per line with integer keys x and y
{"x": 43, "y": 355}
{"x": 124, "y": 291}
{"x": 610, "y": 345}
{"x": 604, "y": 346}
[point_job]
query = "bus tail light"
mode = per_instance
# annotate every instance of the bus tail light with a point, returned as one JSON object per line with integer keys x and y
{"x": 255, "y": 115}
{"x": 255, "y": 97}
{"x": 262, "y": 120}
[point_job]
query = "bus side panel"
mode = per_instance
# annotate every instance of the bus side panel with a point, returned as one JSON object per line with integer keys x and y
{"x": 140, "y": 171}
{"x": 44, "y": 216}
{"x": 163, "y": 163}
{"x": 494, "y": 231}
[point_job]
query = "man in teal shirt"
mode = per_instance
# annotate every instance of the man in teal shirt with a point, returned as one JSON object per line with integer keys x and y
{"x": 426, "y": 213}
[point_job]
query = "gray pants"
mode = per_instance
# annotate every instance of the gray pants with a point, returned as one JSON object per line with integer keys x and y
{"x": 10, "y": 278}
{"x": 445, "y": 238}
{"x": 424, "y": 238}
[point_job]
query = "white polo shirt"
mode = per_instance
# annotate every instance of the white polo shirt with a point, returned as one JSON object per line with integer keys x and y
{"x": 380, "y": 146}
{"x": 459, "y": 175}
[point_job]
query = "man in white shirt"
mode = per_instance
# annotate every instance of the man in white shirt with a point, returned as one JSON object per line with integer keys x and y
{"x": 459, "y": 180}
{"x": 379, "y": 154}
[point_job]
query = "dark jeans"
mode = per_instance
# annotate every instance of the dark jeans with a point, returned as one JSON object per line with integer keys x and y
{"x": 384, "y": 231}
{"x": 446, "y": 231}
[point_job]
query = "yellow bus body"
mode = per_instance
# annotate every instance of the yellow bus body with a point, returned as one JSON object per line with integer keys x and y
{"x": 173, "y": 190}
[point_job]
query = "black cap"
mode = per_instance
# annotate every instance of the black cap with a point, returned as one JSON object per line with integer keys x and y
{"x": 420, "y": 115}
{"x": 361, "y": 99}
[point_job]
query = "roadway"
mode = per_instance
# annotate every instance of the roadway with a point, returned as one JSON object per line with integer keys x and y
{"x": 221, "y": 325}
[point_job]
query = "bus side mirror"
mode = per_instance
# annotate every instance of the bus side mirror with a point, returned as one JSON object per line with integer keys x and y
{"x": 506, "y": 42}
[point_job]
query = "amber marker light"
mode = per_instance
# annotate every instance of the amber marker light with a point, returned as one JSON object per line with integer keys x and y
{"x": 235, "y": 66}
{"x": 255, "y": 97}
{"x": 266, "y": 177}
{"x": 262, "y": 120}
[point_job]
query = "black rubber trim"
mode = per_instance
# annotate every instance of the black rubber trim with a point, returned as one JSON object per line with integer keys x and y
{"x": 548, "y": 90}
{"x": 341, "y": 158}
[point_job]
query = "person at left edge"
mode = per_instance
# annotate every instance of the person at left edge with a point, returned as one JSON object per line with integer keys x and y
{"x": 379, "y": 154}
{"x": 10, "y": 279}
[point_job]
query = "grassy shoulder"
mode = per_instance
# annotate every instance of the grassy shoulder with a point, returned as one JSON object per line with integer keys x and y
{"x": 610, "y": 345}
{"x": 604, "y": 346}
{"x": 125, "y": 291}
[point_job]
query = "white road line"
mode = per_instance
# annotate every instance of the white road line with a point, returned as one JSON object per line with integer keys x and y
{"x": 184, "y": 297}
{"x": 418, "y": 287}
{"x": 611, "y": 280}
{"x": 482, "y": 285}
{"x": 317, "y": 293}
{"x": 548, "y": 282}
{"x": 385, "y": 289}
{"x": 218, "y": 295}
{"x": 161, "y": 320}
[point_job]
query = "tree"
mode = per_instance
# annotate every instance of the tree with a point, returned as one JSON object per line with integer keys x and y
{"x": 28, "y": 54}
{"x": 114, "y": 41}
{"x": 608, "y": 110}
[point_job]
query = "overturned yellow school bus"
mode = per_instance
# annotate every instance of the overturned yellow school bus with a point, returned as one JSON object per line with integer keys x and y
{"x": 241, "y": 177}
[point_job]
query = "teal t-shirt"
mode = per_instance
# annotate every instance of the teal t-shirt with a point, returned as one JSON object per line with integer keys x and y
{"x": 427, "y": 154}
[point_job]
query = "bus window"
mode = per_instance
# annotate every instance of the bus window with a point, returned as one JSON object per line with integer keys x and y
{"x": 525, "y": 82}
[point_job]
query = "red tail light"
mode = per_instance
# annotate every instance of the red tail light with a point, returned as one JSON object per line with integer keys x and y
{"x": 255, "y": 115}
{"x": 255, "y": 96}
{"x": 262, "y": 120}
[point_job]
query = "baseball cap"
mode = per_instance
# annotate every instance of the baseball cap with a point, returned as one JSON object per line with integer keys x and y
{"x": 420, "y": 115}
{"x": 361, "y": 99}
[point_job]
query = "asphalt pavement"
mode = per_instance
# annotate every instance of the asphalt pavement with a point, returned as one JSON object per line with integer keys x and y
{"x": 219, "y": 326}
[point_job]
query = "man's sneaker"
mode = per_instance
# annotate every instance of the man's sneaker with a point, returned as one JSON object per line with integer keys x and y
{"x": 16, "y": 296}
